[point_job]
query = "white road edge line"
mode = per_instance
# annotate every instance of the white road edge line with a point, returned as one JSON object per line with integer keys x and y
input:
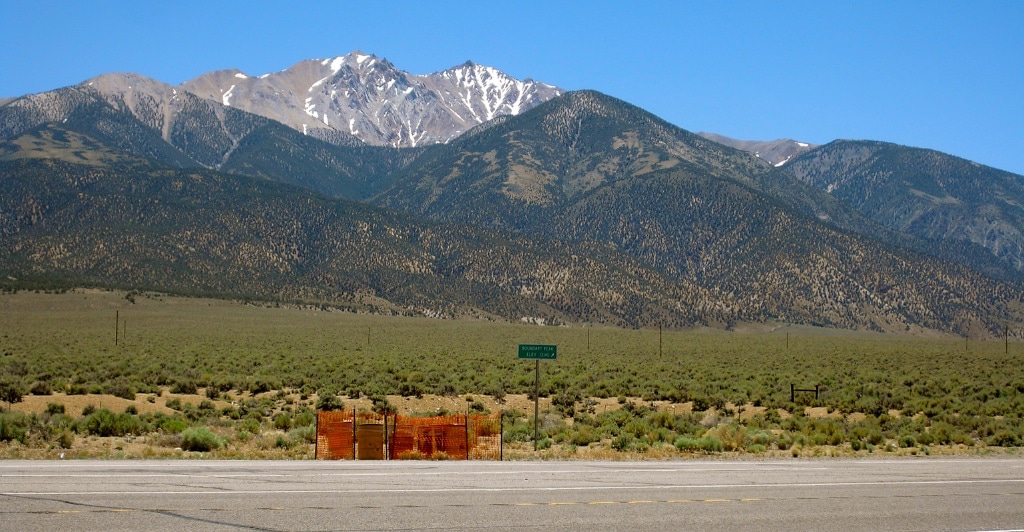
{"x": 528, "y": 489}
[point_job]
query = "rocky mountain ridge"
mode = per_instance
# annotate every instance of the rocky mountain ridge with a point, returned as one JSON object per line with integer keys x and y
{"x": 777, "y": 152}
{"x": 367, "y": 98}
{"x": 925, "y": 193}
{"x": 151, "y": 119}
{"x": 353, "y": 100}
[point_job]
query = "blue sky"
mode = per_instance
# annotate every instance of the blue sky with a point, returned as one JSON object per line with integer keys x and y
{"x": 934, "y": 74}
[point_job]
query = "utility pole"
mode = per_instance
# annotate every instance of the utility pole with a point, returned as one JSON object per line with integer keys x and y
{"x": 660, "y": 343}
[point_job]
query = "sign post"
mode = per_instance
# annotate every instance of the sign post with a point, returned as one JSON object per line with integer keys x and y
{"x": 537, "y": 353}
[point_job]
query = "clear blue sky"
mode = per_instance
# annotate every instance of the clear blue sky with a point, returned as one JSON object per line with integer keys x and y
{"x": 934, "y": 74}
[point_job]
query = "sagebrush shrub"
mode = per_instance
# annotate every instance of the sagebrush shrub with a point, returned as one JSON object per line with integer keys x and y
{"x": 13, "y": 426}
{"x": 41, "y": 388}
{"x": 282, "y": 421}
{"x": 187, "y": 387}
{"x": 103, "y": 422}
{"x": 200, "y": 439}
{"x": 623, "y": 442}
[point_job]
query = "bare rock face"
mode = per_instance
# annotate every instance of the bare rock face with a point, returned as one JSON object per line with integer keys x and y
{"x": 360, "y": 96}
{"x": 777, "y": 152}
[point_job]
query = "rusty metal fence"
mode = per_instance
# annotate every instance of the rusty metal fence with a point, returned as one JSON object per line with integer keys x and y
{"x": 347, "y": 435}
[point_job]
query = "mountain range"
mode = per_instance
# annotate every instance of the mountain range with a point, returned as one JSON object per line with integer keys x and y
{"x": 348, "y": 183}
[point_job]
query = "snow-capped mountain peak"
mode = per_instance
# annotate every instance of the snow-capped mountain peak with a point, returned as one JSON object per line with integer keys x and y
{"x": 363, "y": 96}
{"x": 496, "y": 92}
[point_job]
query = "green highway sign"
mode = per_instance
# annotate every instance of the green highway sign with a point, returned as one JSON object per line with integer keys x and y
{"x": 538, "y": 352}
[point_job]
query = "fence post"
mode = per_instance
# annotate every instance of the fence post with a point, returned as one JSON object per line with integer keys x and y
{"x": 316, "y": 442}
{"x": 501, "y": 436}
{"x": 467, "y": 434}
{"x": 793, "y": 389}
{"x": 394, "y": 427}
{"x": 355, "y": 421}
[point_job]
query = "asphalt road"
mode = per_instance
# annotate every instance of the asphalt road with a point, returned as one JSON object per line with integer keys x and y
{"x": 798, "y": 495}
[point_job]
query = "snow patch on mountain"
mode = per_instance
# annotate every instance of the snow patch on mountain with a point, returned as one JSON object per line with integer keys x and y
{"x": 226, "y": 100}
{"x": 782, "y": 162}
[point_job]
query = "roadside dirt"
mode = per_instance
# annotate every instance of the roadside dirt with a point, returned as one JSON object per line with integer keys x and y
{"x": 266, "y": 444}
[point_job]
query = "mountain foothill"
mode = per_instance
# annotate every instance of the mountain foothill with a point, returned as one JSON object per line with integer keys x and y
{"x": 511, "y": 200}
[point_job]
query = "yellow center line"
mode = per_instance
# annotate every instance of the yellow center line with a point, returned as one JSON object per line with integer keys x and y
{"x": 670, "y": 501}
{"x": 104, "y": 510}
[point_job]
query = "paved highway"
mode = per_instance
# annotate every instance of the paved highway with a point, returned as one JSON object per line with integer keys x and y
{"x": 904, "y": 494}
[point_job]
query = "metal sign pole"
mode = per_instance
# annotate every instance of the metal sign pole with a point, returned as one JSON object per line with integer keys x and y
{"x": 536, "y": 405}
